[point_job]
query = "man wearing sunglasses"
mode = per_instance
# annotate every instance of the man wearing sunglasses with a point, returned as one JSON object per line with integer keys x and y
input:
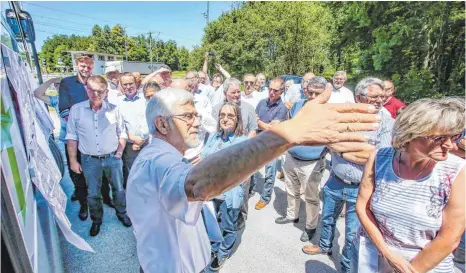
{"x": 296, "y": 91}
{"x": 250, "y": 95}
{"x": 270, "y": 111}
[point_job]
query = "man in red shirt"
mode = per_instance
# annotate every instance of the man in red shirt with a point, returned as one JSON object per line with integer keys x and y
{"x": 392, "y": 104}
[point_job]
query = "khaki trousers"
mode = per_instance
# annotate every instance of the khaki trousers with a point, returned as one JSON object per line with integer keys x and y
{"x": 307, "y": 173}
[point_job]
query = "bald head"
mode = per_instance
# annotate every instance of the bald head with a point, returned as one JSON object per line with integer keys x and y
{"x": 306, "y": 77}
{"x": 180, "y": 83}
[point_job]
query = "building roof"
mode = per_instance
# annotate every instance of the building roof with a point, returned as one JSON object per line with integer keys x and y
{"x": 92, "y": 52}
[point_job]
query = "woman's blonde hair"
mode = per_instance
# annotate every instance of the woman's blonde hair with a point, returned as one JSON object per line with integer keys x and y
{"x": 424, "y": 116}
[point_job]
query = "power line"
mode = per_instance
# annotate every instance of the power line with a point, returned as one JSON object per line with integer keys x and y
{"x": 58, "y": 26}
{"x": 61, "y": 20}
{"x": 86, "y": 16}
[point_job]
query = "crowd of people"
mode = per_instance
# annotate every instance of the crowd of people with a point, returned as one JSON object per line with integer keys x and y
{"x": 181, "y": 158}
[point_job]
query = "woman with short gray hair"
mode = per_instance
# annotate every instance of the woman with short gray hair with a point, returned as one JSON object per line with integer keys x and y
{"x": 411, "y": 200}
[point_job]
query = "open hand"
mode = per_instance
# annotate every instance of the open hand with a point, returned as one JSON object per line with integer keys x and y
{"x": 400, "y": 264}
{"x": 321, "y": 124}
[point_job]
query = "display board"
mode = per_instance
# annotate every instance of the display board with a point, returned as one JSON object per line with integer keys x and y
{"x": 37, "y": 163}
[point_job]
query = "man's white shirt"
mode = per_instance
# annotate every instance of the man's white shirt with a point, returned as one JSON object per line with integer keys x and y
{"x": 97, "y": 132}
{"x": 253, "y": 98}
{"x": 341, "y": 95}
{"x": 170, "y": 234}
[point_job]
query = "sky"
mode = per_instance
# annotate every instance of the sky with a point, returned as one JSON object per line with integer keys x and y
{"x": 179, "y": 21}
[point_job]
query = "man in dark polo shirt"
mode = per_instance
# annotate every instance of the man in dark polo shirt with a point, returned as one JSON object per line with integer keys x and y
{"x": 270, "y": 111}
{"x": 71, "y": 92}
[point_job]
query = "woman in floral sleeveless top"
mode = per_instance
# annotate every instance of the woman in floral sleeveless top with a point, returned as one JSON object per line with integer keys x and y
{"x": 411, "y": 200}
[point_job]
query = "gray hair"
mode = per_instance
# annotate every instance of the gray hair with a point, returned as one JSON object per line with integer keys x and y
{"x": 164, "y": 103}
{"x": 423, "y": 116}
{"x": 361, "y": 88}
{"x": 340, "y": 73}
{"x": 228, "y": 82}
{"x": 319, "y": 81}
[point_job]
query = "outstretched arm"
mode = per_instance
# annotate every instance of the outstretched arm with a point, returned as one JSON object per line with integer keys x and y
{"x": 229, "y": 167}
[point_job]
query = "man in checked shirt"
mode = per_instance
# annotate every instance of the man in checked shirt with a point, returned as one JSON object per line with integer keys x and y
{"x": 347, "y": 168}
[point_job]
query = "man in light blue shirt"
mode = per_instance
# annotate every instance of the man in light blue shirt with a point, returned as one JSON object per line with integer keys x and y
{"x": 133, "y": 110}
{"x": 343, "y": 184}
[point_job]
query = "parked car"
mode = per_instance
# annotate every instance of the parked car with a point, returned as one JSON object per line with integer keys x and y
{"x": 295, "y": 78}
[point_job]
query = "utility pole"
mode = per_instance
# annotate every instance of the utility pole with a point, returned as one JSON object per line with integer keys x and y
{"x": 206, "y": 14}
{"x": 126, "y": 49}
{"x": 150, "y": 51}
{"x": 156, "y": 39}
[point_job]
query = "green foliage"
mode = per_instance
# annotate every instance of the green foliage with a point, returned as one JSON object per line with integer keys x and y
{"x": 113, "y": 40}
{"x": 419, "y": 45}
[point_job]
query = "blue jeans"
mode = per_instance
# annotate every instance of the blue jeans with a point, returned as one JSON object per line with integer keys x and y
{"x": 270, "y": 172}
{"x": 335, "y": 194}
{"x": 93, "y": 170}
{"x": 229, "y": 226}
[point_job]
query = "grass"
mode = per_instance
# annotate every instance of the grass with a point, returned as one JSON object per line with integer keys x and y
{"x": 178, "y": 74}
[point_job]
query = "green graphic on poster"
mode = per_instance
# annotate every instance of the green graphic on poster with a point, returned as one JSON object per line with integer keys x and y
{"x": 6, "y": 121}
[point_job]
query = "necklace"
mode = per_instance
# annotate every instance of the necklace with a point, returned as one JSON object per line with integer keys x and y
{"x": 417, "y": 176}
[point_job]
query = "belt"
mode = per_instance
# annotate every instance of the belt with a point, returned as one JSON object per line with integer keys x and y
{"x": 344, "y": 180}
{"x": 102, "y": 156}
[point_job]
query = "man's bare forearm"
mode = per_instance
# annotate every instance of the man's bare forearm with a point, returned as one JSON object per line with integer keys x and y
{"x": 149, "y": 77}
{"x": 231, "y": 166}
{"x": 121, "y": 144}
{"x": 72, "y": 147}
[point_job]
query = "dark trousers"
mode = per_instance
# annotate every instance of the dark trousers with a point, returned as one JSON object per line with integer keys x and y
{"x": 128, "y": 158}
{"x": 93, "y": 169}
{"x": 79, "y": 182}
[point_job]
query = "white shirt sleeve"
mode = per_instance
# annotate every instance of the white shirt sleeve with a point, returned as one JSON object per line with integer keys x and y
{"x": 121, "y": 129}
{"x": 172, "y": 192}
{"x": 71, "y": 132}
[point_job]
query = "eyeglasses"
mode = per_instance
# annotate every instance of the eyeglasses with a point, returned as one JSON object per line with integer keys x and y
{"x": 248, "y": 83}
{"x": 442, "y": 139}
{"x": 228, "y": 116}
{"x": 98, "y": 92}
{"x": 274, "y": 90}
{"x": 189, "y": 118}
{"x": 190, "y": 78}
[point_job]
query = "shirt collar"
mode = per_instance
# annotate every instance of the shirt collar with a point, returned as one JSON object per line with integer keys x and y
{"x": 164, "y": 145}
{"x": 136, "y": 97}
{"x": 277, "y": 103}
{"x": 104, "y": 105}
{"x": 229, "y": 138}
